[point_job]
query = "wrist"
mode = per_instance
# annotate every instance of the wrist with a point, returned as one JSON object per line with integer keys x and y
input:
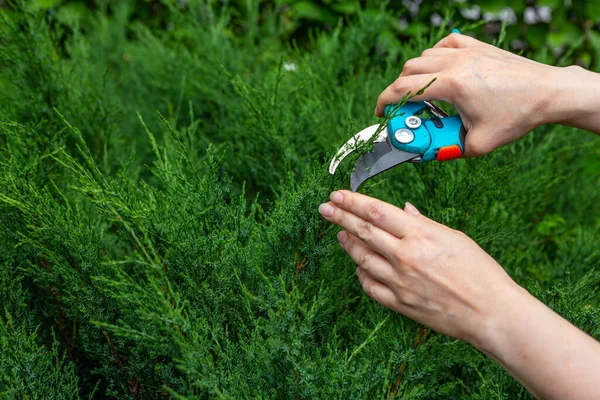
{"x": 571, "y": 97}
{"x": 494, "y": 333}
{"x": 551, "y": 357}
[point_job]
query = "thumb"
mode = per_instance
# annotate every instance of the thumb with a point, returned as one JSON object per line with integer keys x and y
{"x": 478, "y": 143}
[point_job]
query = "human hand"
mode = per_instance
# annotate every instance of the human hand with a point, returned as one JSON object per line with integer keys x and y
{"x": 444, "y": 280}
{"x": 411, "y": 264}
{"x": 499, "y": 96}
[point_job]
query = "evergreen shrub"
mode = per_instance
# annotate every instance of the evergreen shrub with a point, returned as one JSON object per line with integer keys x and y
{"x": 159, "y": 233}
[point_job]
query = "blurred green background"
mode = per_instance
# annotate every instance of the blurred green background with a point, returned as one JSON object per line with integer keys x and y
{"x": 224, "y": 185}
{"x": 555, "y": 31}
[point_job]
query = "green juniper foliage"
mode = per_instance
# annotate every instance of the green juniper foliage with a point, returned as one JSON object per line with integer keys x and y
{"x": 159, "y": 233}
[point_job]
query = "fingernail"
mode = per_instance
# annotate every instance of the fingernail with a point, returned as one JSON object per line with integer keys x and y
{"x": 409, "y": 208}
{"x": 336, "y": 197}
{"x": 342, "y": 236}
{"x": 375, "y": 111}
{"x": 326, "y": 210}
{"x": 357, "y": 271}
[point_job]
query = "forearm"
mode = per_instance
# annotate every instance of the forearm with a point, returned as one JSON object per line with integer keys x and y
{"x": 574, "y": 99}
{"x": 549, "y": 356}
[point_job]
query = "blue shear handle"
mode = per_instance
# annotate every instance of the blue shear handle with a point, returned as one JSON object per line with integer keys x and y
{"x": 432, "y": 142}
{"x": 448, "y": 142}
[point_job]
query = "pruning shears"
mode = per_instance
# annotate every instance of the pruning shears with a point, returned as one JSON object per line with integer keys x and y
{"x": 409, "y": 136}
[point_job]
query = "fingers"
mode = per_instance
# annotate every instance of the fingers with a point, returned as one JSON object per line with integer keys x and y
{"x": 396, "y": 91}
{"x": 383, "y": 215}
{"x": 373, "y": 236}
{"x": 375, "y": 289}
{"x": 439, "y": 51}
{"x": 369, "y": 261}
{"x": 422, "y": 65}
{"x": 419, "y": 72}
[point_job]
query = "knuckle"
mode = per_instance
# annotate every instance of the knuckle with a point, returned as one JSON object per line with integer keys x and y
{"x": 375, "y": 213}
{"x": 441, "y": 42}
{"x": 349, "y": 199}
{"x": 371, "y": 290}
{"x": 409, "y": 298}
{"x": 397, "y": 257}
{"x": 364, "y": 230}
{"x": 455, "y": 38}
{"x": 427, "y": 52}
{"x": 420, "y": 233}
{"x": 448, "y": 41}
{"x": 398, "y": 86}
{"x": 410, "y": 260}
{"x": 365, "y": 261}
{"x": 409, "y": 66}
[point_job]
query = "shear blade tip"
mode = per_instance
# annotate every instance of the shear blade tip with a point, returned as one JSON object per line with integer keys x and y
{"x": 355, "y": 183}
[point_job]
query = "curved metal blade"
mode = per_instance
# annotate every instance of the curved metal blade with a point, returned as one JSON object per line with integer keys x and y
{"x": 383, "y": 157}
{"x": 350, "y": 145}
{"x": 435, "y": 110}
